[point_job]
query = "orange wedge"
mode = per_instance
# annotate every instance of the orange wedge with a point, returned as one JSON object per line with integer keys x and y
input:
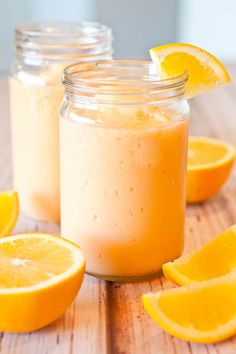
{"x": 40, "y": 276}
{"x": 205, "y": 71}
{"x": 9, "y": 210}
{"x": 215, "y": 259}
{"x": 209, "y": 164}
{"x": 203, "y": 312}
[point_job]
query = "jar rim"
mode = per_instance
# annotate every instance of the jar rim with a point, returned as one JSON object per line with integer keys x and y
{"x": 110, "y": 77}
{"x": 62, "y": 28}
{"x": 63, "y": 40}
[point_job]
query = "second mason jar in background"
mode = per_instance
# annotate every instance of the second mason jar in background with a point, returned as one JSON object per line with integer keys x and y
{"x": 123, "y": 165}
{"x": 42, "y": 50}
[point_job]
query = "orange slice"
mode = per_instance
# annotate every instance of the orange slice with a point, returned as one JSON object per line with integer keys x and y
{"x": 215, "y": 259}
{"x": 205, "y": 71}
{"x": 9, "y": 210}
{"x": 40, "y": 276}
{"x": 209, "y": 164}
{"x": 203, "y": 312}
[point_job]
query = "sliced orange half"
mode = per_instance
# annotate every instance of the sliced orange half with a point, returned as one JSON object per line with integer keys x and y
{"x": 203, "y": 312}
{"x": 40, "y": 276}
{"x": 215, "y": 259}
{"x": 9, "y": 210}
{"x": 205, "y": 71}
{"x": 209, "y": 164}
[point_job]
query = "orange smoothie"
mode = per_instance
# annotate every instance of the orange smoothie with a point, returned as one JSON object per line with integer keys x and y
{"x": 35, "y": 144}
{"x": 123, "y": 188}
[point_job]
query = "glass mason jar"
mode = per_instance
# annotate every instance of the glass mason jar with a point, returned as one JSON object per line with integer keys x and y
{"x": 123, "y": 141}
{"x": 42, "y": 51}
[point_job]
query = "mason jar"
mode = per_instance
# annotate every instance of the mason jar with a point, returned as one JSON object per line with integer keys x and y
{"x": 123, "y": 141}
{"x": 42, "y": 51}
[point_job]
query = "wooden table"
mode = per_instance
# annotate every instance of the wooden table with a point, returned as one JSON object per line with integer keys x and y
{"x": 108, "y": 318}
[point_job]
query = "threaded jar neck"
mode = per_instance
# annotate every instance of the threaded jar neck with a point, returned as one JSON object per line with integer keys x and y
{"x": 63, "y": 41}
{"x": 120, "y": 82}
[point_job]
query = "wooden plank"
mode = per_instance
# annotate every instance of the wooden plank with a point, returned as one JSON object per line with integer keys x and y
{"x": 109, "y": 317}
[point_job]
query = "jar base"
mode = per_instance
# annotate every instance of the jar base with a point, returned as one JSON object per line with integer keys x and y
{"x": 39, "y": 218}
{"x": 126, "y": 278}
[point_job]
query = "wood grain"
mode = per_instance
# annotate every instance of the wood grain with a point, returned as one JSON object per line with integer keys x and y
{"x": 108, "y": 318}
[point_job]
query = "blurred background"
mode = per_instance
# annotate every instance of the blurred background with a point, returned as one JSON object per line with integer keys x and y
{"x": 137, "y": 24}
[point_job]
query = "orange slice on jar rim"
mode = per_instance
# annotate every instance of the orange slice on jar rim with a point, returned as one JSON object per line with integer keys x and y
{"x": 205, "y": 72}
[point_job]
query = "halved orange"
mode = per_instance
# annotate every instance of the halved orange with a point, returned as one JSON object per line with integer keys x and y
{"x": 205, "y": 71}
{"x": 214, "y": 259}
{"x": 209, "y": 164}
{"x": 203, "y": 312}
{"x": 9, "y": 210}
{"x": 40, "y": 276}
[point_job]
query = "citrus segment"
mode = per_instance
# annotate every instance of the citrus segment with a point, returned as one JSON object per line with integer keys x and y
{"x": 204, "y": 312}
{"x": 40, "y": 276}
{"x": 205, "y": 71}
{"x": 9, "y": 210}
{"x": 209, "y": 164}
{"x": 215, "y": 259}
